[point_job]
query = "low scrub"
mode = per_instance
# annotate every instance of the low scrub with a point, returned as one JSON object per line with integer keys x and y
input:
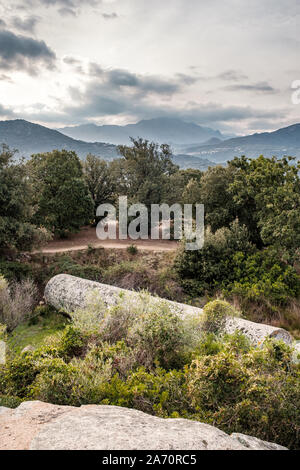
{"x": 143, "y": 356}
{"x": 17, "y": 301}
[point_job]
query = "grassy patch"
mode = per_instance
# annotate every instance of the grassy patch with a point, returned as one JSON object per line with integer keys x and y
{"x": 34, "y": 332}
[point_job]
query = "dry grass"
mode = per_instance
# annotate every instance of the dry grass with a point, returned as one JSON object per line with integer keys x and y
{"x": 17, "y": 301}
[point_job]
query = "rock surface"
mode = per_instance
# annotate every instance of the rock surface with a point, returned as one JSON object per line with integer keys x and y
{"x": 70, "y": 293}
{"x": 252, "y": 443}
{"x": 41, "y": 426}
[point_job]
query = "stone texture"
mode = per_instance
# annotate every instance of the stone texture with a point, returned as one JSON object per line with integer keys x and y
{"x": 252, "y": 443}
{"x": 41, "y": 426}
{"x": 28, "y": 348}
{"x": 4, "y": 410}
{"x": 70, "y": 293}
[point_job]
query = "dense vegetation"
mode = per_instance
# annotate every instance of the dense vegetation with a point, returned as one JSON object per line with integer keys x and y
{"x": 251, "y": 250}
{"x": 160, "y": 364}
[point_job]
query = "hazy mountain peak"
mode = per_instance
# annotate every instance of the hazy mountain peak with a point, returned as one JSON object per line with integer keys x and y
{"x": 169, "y": 130}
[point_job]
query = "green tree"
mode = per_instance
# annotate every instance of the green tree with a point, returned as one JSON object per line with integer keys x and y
{"x": 208, "y": 269}
{"x": 220, "y": 209}
{"x": 146, "y": 170}
{"x": 266, "y": 192}
{"x": 61, "y": 197}
{"x": 16, "y": 231}
{"x": 99, "y": 180}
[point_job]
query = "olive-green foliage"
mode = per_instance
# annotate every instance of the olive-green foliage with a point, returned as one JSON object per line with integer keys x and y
{"x": 229, "y": 263}
{"x": 215, "y": 314}
{"x": 203, "y": 270}
{"x": 10, "y": 402}
{"x": 132, "y": 249}
{"x": 59, "y": 192}
{"x": 266, "y": 193}
{"x": 45, "y": 322}
{"x": 227, "y": 383}
{"x": 99, "y": 180}
{"x": 220, "y": 209}
{"x": 15, "y": 271}
{"x": 64, "y": 264}
{"x": 16, "y": 230}
{"x": 144, "y": 171}
{"x": 151, "y": 329}
{"x": 255, "y": 393}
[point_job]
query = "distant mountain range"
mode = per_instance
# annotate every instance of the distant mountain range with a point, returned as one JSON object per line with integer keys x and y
{"x": 31, "y": 138}
{"x": 163, "y": 130}
{"x": 285, "y": 141}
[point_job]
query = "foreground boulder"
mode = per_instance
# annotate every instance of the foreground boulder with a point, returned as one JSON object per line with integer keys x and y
{"x": 41, "y": 426}
{"x": 71, "y": 293}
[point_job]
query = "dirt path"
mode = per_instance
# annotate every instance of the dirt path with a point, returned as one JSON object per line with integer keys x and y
{"x": 87, "y": 237}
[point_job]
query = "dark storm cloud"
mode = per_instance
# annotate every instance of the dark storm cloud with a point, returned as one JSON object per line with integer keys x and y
{"x": 260, "y": 87}
{"x": 118, "y": 79}
{"x": 111, "y": 99}
{"x": 24, "y": 53}
{"x": 25, "y": 24}
{"x": 121, "y": 78}
{"x": 2, "y": 24}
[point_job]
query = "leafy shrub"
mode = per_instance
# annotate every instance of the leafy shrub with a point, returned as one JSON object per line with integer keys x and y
{"x": 132, "y": 249}
{"x": 215, "y": 314}
{"x": 66, "y": 265}
{"x": 203, "y": 271}
{"x": 14, "y": 271}
{"x": 9, "y": 402}
{"x": 256, "y": 392}
{"x": 17, "y": 301}
{"x": 56, "y": 383}
{"x": 18, "y": 374}
{"x": 71, "y": 342}
{"x": 156, "y": 335}
{"x": 255, "y": 280}
{"x": 2, "y": 330}
{"x": 218, "y": 379}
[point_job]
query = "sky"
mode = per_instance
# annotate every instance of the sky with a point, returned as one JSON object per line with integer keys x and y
{"x": 228, "y": 64}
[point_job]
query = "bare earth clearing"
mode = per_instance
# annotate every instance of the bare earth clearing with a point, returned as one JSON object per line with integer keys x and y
{"x": 87, "y": 237}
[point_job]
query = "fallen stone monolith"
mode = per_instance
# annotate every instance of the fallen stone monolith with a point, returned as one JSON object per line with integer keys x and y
{"x": 71, "y": 293}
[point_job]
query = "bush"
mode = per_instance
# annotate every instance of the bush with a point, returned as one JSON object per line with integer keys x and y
{"x": 9, "y": 402}
{"x": 66, "y": 265}
{"x": 156, "y": 335}
{"x": 56, "y": 383}
{"x": 132, "y": 249}
{"x": 18, "y": 374}
{"x": 255, "y": 393}
{"x": 215, "y": 314}
{"x": 14, "y": 271}
{"x": 203, "y": 271}
{"x": 217, "y": 379}
{"x": 17, "y": 301}
{"x": 255, "y": 280}
{"x": 71, "y": 343}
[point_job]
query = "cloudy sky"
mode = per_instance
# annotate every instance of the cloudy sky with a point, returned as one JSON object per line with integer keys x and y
{"x": 224, "y": 64}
